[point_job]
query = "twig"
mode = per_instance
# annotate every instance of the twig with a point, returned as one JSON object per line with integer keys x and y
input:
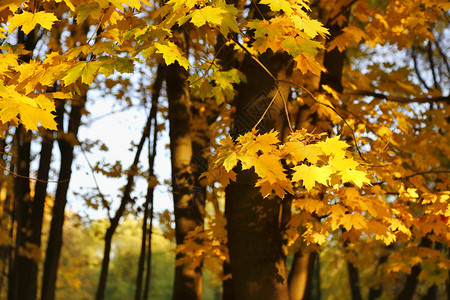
{"x": 31, "y": 178}
{"x": 399, "y": 99}
{"x": 332, "y": 108}
{"x": 267, "y": 109}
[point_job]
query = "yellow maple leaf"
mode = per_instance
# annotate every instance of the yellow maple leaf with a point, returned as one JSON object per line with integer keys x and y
{"x": 300, "y": 151}
{"x": 333, "y": 146}
{"x": 355, "y": 176}
{"x": 350, "y": 221}
{"x": 311, "y": 174}
{"x": 342, "y": 163}
{"x": 15, "y": 108}
{"x": 29, "y": 20}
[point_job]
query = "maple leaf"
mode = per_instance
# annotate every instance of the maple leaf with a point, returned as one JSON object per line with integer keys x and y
{"x": 311, "y": 27}
{"x": 333, "y": 146}
{"x": 171, "y": 54}
{"x": 210, "y": 14}
{"x": 311, "y": 174}
{"x": 29, "y": 20}
{"x": 277, "y": 5}
{"x": 355, "y": 176}
{"x": 350, "y": 221}
{"x": 15, "y": 108}
{"x": 339, "y": 163}
{"x": 300, "y": 151}
{"x": 306, "y": 62}
{"x": 269, "y": 167}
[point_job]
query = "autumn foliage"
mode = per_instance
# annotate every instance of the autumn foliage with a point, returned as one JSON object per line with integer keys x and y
{"x": 299, "y": 132}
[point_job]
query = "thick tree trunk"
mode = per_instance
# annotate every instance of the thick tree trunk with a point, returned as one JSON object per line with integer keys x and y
{"x": 66, "y": 146}
{"x": 353, "y": 277}
{"x": 300, "y": 275}
{"x": 255, "y": 238}
{"x": 188, "y": 211}
{"x": 19, "y": 288}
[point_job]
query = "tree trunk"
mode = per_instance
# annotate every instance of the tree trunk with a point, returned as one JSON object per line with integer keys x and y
{"x": 255, "y": 237}
{"x": 412, "y": 279}
{"x": 66, "y": 146}
{"x": 188, "y": 212}
{"x": 19, "y": 288}
{"x": 353, "y": 277}
{"x": 300, "y": 275}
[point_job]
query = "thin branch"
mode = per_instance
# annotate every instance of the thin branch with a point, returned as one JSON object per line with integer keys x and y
{"x": 445, "y": 99}
{"x": 431, "y": 60}
{"x": 444, "y": 57}
{"x": 267, "y": 109}
{"x": 31, "y": 178}
{"x": 415, "y": 174}
{"x": 416, "y": 69}
{"x": 104, "y": 202}
{"x": 334, "y": 109}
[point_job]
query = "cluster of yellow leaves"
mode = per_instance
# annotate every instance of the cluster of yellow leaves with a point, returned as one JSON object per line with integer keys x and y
{"x": 292, "y": 31}
{"x": 309, "y": 160}
{"x": 401, "y": 22}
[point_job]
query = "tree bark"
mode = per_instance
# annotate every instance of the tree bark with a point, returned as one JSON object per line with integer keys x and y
{"x": 353, "y": 277}
{"x": 412, "y": 279}
{"x": 300, "y": 275}
{"x": 66, "y": 146}
{"x": 20, "y": 287}
{"x": 255, "y": 238}
{"x": 188, "y": 211}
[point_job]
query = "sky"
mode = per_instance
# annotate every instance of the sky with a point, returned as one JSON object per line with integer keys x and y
{"x": 116, "y": 131}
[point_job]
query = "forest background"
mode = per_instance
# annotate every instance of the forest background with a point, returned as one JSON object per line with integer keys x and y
{"x": 308, "y": 146}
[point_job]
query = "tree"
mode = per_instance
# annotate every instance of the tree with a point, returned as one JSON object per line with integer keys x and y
{"x": 326, "y": 121}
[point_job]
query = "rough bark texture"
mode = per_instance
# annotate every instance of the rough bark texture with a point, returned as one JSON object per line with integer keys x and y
{"x": 18, "y": 288}
{"x": 187, "y": 209}
{"x": 21, "y": 283}
{"x": 255, "y": 237}
{"x": 353, "y": 277}
{"x": 300, "y": 275}
{"x": 66, "y": 147}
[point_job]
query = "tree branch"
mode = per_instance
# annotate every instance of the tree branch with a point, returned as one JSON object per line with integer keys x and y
{"x": 425, "y": 99}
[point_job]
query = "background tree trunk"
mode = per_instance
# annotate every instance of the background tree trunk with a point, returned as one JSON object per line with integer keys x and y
{"x": 188, "y": 212}
{"x": 148, "y": 205}
{"x": 66, "y": 146}
{"x": 301, "y": 275}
